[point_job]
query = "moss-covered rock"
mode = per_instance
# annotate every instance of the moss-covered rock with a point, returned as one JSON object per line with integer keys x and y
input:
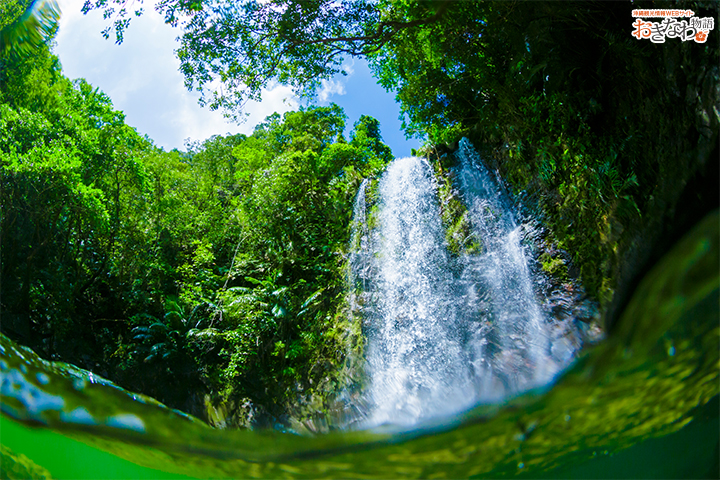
{"x": 458, "y": 229}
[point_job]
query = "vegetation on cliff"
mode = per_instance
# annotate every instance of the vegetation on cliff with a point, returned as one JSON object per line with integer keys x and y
{"x": 600, "y": 132}
{"x": 219, "y": 270}
{"x": 214, "y": 271}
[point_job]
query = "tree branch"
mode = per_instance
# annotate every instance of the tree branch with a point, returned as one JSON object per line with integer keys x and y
{"x": 379, "y": 38}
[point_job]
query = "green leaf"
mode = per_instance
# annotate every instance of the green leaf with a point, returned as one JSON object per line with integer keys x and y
{"x": 279, "y": 311}
{"x": 312, "y": 298}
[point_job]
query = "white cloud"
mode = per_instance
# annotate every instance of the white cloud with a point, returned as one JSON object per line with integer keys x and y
{"x": 328, "y": 88}
{"x": 141, "y": 77}
{"x": 336, "y": 85}
{"x": 348, "y": 67}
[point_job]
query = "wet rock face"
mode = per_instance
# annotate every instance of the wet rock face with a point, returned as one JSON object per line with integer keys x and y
{"x": 234, "y": 414}
{"x": 666, "y": 133}
{"x": 688, "y": 189}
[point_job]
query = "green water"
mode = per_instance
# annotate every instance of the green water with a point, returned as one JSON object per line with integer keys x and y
{"x": 643, "y": 403}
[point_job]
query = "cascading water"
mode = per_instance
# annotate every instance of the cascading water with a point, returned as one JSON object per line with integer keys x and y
{"x": 512, "y": 345}
{"x": 416, "y": 364}
{"x": 445, "y": 333}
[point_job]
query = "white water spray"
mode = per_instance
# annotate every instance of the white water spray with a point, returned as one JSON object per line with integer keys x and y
{"x": 446, "y": 333}
{"x": 414, "y": 360}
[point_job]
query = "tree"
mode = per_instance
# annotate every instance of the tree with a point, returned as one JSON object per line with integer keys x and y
{"x": 245, "y": 46}
{"x": 66, "y": 162}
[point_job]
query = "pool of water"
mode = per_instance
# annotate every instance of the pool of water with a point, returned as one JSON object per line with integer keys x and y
{"x": 643, "y": 403}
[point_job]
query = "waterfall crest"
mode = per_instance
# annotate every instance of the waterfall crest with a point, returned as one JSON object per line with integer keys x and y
{"x": 445, "y": 333}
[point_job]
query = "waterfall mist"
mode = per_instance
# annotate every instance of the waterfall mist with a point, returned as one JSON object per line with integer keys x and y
{"x": 445, "y": 332}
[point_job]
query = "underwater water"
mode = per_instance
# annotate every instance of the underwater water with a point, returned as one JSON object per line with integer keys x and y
{"x": 642, "y": 403}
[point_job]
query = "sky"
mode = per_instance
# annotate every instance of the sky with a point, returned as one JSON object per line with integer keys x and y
{"x": 142, "y": 79}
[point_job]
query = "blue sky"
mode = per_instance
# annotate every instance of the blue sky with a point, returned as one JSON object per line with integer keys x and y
{"x": 141, "y": 77}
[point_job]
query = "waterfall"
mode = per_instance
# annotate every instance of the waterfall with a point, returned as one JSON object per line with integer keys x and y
{"x": 447, "y": 332}
{"x": 415, "y": 362}
{"x": 359, "y": 256}
{"x": 509, "y": 344}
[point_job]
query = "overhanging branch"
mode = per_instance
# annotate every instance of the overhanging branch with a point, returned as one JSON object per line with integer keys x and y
{"x": 372, "y": 43}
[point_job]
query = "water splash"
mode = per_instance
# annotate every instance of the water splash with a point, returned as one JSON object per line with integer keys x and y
{"x": 513, "y": 345}
{"x": 446, "y": 333}
{"x": 415, "y": 361}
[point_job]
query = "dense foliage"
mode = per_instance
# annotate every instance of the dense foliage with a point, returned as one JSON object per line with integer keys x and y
{"x": 571, "y": 108}
{"x": 600, "y": 130}
{"x": 218, "y": 270}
